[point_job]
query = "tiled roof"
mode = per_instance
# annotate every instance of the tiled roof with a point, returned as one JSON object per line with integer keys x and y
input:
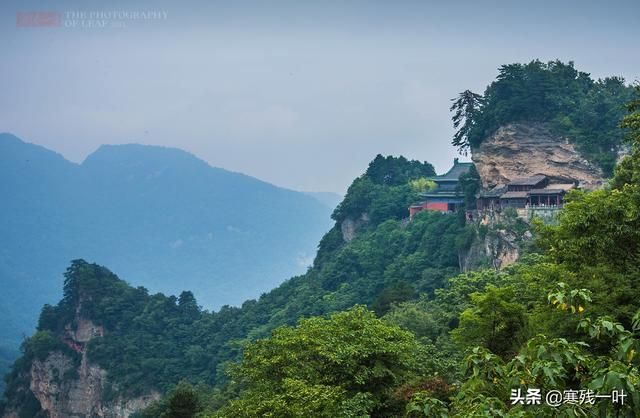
{"x": 454, "y": 172}
{"x": 527, "y": 181}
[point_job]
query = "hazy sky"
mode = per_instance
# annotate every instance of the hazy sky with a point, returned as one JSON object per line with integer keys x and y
{"x": 301, "y": 94}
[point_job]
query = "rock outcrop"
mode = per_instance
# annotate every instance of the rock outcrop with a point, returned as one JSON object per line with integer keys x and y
{"x": 523, "y": 150}
{"x": 350, "y": 227}
{"x": 67, "y": 384}
{"x": 82, "y": 396}
{"x": 497, "y": 249}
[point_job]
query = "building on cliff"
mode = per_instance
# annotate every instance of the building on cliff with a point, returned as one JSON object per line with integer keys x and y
{"x": 529, "y": 196}
{"x": 445, "y": 197}
{"x": 524, "y": 193}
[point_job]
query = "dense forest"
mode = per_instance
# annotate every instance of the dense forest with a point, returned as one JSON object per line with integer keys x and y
{"x": 573, "y": 104}
{"x": 385, "y": 324}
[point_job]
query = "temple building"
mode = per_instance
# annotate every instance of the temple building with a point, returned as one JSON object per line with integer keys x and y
{"x": 529, "y": 196}
{"x": 445, "y": 197}
{"x": 522, "y": 193}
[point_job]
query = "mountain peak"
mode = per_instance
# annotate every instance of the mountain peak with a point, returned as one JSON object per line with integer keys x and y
{"x": 20, "y": 158}
{"x": 128, "y": 153}
{"x": 9, "y": 137}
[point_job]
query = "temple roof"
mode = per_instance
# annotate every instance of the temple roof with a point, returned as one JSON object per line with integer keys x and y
{"x": 454, "y": 172}
{"x": 527, "y": 181}
{"x": 563, "y": 186}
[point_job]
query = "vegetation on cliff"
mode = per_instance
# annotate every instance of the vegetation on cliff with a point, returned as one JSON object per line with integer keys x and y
{"x": 433, "y": 342}
{"x": 384, "y": 191}
{"x": 573, "y": 104}
{"x": 154, "y": 341}
{"x": 564, "y": 320}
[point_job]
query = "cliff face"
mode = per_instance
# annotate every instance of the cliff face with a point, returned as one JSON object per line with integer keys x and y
{"x": 65, "y": 388}
{"x": 497, "y": 249}
{"x": 81, "y": 396}
{"x": 522, "y": 150}
{"x": 350, "y": 227}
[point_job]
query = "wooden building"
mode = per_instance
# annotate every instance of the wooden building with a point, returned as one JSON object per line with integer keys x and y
{"x": 534, "y": 191}
{"x": 445, "y": 197}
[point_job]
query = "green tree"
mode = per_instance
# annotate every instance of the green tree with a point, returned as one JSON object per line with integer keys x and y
{"x": 469, "y": 184}
{"x": 183, "y": 402}
{"x": 628, "y": 171}
{"x": 400, "y": 291}
{"x": 422, "y": 184}
{"x": 397, "y": 171}
{"x": 466, "y": 106}
{"x": 346, "y": 365}
{"x": 494, "y": 321}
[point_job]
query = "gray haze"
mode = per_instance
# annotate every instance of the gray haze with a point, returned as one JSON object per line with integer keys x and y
{"x": 301, "y": 94}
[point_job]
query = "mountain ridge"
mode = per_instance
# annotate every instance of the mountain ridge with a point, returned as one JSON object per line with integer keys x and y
{"x": 160, "y": 215}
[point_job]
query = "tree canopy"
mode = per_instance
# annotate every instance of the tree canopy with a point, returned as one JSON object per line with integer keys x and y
{"x": 346, "y": 365}
{"x": 573, "y": 104}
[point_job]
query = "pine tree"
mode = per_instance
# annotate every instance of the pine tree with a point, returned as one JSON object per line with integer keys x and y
{"x": 465, "y": 106}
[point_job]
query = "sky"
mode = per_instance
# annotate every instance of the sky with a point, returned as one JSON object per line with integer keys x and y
{"x": 302, "y": 94}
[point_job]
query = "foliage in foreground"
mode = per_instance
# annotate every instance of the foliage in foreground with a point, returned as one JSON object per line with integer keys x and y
{"x": 346, "y": 365}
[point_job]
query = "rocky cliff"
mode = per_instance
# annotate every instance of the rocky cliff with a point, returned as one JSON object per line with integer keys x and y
{"x": 349, "y": 227}
{"x": 79, "y": 397}
{"x": 522, "y": 150}
{"x": 498, "y": 248}
{"x": 65, "y": 388}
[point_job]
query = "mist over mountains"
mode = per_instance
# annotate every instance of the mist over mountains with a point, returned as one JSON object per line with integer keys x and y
{"x": 159, "y": 215}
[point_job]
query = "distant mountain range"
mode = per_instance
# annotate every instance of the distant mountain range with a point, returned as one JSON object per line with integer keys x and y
{"x": 159, "y": 215}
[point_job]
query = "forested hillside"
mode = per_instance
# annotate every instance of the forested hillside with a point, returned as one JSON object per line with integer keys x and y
{"x": 384, "y": 324}
{"x": 585, "y": 110}
{"x": 159, "y": 215}
{"x": 564, "y": 321}
{"x": 165, "y": 339}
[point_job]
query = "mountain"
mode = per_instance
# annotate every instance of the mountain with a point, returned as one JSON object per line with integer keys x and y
{"x": 562, "y": 319}
{"x": 110, "y": 349}
{"x": 104, "y": 323}
{"x": 159, "y": 215}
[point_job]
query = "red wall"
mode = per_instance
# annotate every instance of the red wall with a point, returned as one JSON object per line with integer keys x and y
{"x": 413, "y": 210}
{"x": 441, "y": 206}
